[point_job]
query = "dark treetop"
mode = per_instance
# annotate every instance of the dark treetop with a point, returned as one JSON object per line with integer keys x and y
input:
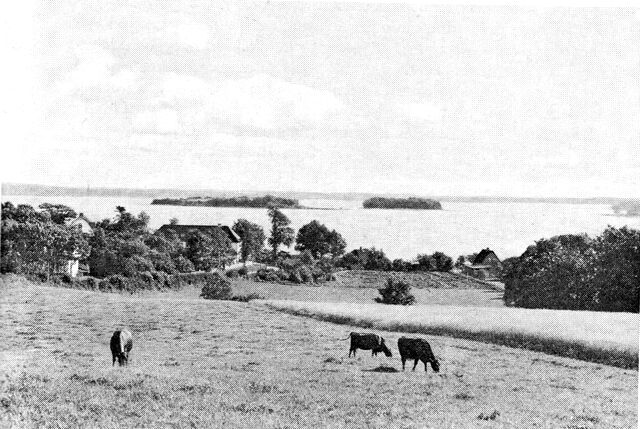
{"x": 401, "y": 203}
{"x": 255, "y": 202}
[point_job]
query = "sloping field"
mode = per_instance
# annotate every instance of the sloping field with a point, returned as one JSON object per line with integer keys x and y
{"x": 198, "y": 363}
{"x": 609, "y": 338}
{"x": 418, "y": 280}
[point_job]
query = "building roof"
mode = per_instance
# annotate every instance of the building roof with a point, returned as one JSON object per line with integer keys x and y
{"x": 185, "y": 229}
{"x": 78, "y": 221}
{"x": 483, "y": 255}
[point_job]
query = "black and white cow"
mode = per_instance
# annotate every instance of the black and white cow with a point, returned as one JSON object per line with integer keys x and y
{"x": 121, "y": 345}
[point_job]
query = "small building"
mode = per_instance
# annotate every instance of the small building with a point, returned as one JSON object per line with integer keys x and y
{"x": 183, "y": 230}
{"x": 74, "y": 267}
{"x": 485, "y": 266}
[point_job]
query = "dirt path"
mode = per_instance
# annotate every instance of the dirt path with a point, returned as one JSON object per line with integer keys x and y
{"x": 226, "y": 364}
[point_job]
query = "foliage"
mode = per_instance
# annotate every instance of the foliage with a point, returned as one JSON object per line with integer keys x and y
{"x": 255, "y": 202}
{"x": 365, "y": 259}
{"x": 281, "y": 233}
{"x": 39, "y": 242}
{"x": 216, "y": 287}
{"x": 438, "y": 261}
{"x": 252, "y": 236}
{"x": 578, "y": 273}
{"x": 319, "y": 240}
{"x": 209, "y": 250}
{"x": 396, "y": 292}
{"x": 401, "y": 203}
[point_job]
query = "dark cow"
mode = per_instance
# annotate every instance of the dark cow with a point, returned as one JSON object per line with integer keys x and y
{"x": 121, "y": 345}
{"x": 418, "y": 349}
{"x": 372, "y": 342}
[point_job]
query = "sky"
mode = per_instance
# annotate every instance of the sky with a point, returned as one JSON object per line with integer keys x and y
{"x": 330, "y": 97}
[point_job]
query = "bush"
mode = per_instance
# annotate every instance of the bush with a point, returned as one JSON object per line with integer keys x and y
{"x": 216, "y": 287}
{"x": 246, "y": 298}
{"x": 242, "y": 271}
{"x": 232, "y": 274}
{"x": 396, "y": 293}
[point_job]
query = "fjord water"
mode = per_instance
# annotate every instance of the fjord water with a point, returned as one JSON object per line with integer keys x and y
{"x": 460, "y": 228}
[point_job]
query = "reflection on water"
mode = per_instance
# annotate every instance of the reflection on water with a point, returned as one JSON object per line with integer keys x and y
{"x": 461, "y": 228}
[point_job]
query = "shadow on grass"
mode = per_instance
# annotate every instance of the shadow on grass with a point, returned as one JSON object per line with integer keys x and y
{"x": 557, "y": 347}
{"x": 381, "y": 368}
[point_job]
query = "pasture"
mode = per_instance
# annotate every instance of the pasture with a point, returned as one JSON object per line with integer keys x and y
{"x": 198, "y": 363}
{"x": 610, "y": 338}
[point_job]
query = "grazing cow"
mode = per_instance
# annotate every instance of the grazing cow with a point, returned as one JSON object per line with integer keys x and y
{"x": 121, "y": 344}
{"x": 418, "y": 349}
{"x": 372, "y": 342}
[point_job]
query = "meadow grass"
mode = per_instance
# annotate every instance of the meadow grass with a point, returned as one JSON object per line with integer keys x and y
{"x": 198, "y": 363}
{"x": 608, "y": 338}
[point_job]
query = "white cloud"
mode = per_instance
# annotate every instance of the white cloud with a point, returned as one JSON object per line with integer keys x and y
{"x": 95, "y": 71}
{"x": 271, "y": 104}
{"x": 192, "y": 35}
{"x": 160, "y": 121}
{"x": 419, "y": 112}
{"x": 184, "y": 87}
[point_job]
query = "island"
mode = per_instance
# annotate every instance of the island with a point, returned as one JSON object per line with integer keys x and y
{"x": 401, "y": 203}
{"x": 629, "y": 208}
{"x": 255, "y": 202}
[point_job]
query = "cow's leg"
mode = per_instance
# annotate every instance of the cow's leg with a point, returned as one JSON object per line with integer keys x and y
{"x": 415, "y": 363}
{"x": 425, "y": 365}
{"x": 373, "y": 353}
{"x": 114, "y": 359}
{"x": 403, "y": 362}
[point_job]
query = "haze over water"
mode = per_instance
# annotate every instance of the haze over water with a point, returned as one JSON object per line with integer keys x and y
{"x": 460, "y": 228}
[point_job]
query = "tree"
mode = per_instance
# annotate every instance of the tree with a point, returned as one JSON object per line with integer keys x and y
{"x": 59, "y": 213}
{"x": 209, "y": 250}
{"x": 317, "y": 239}
{"x": 252, "y": 238}
{"x": 281, "y": 233}
{"x": 174, "y": 221}
{"x": 396, "y": 293}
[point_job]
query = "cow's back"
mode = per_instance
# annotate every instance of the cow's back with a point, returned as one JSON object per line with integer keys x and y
{"x": 414, "y": 348}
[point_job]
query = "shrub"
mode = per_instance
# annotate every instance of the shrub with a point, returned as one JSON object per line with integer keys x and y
{"x": 216, "y": 287}
{"x": 396, "y": 293}
{"x": 232, "y": 274}
{"x": 246, "y": 298}
{"x": 242, "y": 271}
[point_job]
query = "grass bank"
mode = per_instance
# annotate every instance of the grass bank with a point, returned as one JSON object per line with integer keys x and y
{"x": 606, "y": 338}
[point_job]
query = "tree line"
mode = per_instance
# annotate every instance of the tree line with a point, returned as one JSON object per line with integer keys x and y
{"x": 255, "y": 202}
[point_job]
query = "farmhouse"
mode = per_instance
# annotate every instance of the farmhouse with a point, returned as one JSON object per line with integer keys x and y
{"x": 183, "y": 230}
{"x": 74, "y": 267}
{"x": 486, "y": 266}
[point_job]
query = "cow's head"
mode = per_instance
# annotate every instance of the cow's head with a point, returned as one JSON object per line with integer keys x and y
{"x": 123, "y": 359}
{"x": 435, "y": 365}
{"x": 384, "y": 349}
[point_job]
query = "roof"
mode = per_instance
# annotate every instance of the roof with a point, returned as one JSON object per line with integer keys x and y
{"x": 185, "y": 229}
{"x": 76, "y": 221}
{"x": 483, "y": 255}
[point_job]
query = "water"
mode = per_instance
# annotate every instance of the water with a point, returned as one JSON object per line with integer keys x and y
{"x": 461, "y": 228}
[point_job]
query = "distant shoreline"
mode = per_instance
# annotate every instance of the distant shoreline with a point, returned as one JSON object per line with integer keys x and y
{"x": 9, "y": 189}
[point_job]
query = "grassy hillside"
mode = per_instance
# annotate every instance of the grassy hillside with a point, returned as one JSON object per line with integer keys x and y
{"x": 610, "y": 338}
{"x": 199, "y": 363}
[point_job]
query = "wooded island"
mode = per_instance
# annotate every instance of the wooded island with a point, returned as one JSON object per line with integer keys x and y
{"x": 255, "y": 202}
{"x": 401, "y": 203}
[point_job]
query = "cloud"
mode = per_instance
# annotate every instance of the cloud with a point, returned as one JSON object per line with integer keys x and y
{"x": 160, "y": 121}
{"x": 95, "y": 72}
{"x": 424, "y": 112}
{"x": 191, "y": 34}
{"x": 272, "y": 104}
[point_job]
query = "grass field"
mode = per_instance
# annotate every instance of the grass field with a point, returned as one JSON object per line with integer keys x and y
{"x": 610, "y": 338}
{"x": 198, "y": 363}
{"x": 334, "y": 292}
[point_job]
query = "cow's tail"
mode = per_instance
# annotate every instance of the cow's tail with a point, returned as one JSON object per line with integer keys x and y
{"x": 348, "y": 336}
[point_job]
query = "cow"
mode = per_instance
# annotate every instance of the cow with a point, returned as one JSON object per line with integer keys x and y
{"x": 121, "y": 345}
{"x": 418, "y": 349}
{"x": 372, "y": 342}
